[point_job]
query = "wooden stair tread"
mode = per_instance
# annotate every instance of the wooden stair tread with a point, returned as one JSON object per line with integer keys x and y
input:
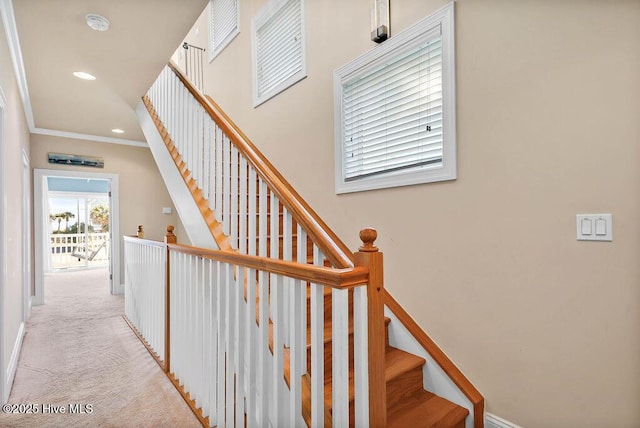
{"x": 426, "y": 410}
{"x": 397, "y": 363}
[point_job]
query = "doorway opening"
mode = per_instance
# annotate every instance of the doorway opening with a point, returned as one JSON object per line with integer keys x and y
{"x": 76, "y": 221}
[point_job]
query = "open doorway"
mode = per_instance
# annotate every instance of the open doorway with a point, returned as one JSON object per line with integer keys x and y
{"x": 76, "y": 225}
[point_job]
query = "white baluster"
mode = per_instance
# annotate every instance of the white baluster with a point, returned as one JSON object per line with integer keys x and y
{"x": 234, "y": 196}
{"x": 317, "y": 348}
{"x": 277, "y": 317}
{"x": 297, "y": 348}
{"x": 213, "y": 354}
{"x": 242, "y": 196}
{"x": 206, "y": 162}
{"x": 219, "y": 171}
{"x": 240, "y": 360}
{"x": 263, "y": 284}
{"x": 226, "y": 190}
{"x": 340, "y": 357}
{"x": 206, "y": 340}
{"x": 252, "y": 348}
{"x": 231, "y": 350}
{"x": 287, "y": 254}
{"x": 222, "y": 349}
{"x": 197, "y": 332}
{"x": 251, "y": 200}
{"x": 361, "y": 356}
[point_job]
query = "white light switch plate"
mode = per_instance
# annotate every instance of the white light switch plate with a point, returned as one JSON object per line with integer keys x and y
{"x": 594, "y": 227}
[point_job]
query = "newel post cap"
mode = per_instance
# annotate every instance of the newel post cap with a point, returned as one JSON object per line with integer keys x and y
{"x": 170, "y": 238}
{"x": 368, "y": 235}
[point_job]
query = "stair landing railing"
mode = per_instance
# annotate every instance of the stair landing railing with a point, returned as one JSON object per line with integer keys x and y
{"x": 242, "y": 196}
{"x": 257, "y": 218}
{"x": 215, "y": 322}
{"x": 194, "y": 64}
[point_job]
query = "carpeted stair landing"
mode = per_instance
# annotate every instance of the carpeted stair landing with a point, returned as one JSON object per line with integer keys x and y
{"x": 79, "y": 351}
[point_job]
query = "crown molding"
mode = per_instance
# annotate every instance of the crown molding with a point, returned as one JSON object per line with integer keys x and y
{"x": 88, "y": 137}
{"x": 11, "y": 30}
{"x": 9, "y": 22}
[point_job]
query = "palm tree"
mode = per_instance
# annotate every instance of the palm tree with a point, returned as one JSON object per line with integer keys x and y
{"x": 100, "y": 216}
{"x": 62, "y": 216}
{"x": 66, "y": 216}
{"x": 54, "y": 217}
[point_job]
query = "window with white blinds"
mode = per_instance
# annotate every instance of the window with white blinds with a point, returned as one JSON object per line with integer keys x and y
{"x": 278, "y": 48}
{"x": 395, "y": 110}
{"x": 224, "y": 24}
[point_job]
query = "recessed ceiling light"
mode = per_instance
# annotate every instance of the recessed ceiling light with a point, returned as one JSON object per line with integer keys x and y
{"x": 117, "y": 131}
{"x": 83, "y": 75}
{"x": 97, "y": 22}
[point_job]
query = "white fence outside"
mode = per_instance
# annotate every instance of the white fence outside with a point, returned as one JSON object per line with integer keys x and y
{"x": 79, "y": 250}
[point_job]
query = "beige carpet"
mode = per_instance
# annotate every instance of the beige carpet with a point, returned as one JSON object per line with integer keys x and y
{"x": 79, "y": 350}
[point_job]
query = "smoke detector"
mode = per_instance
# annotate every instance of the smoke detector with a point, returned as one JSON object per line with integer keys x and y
{"x": 97, "y": 22}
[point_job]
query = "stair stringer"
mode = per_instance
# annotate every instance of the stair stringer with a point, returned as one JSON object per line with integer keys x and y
{"x": 435, "y": 379}
{"x": 186, "y": 207}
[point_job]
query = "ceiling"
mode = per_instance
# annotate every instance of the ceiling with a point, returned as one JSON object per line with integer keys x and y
{"x": 55, "y": 41}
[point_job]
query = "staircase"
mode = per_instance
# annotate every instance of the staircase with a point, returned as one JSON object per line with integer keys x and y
{"x": 246, "y": 222}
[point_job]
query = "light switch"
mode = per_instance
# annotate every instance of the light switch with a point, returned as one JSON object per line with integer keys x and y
{"x": 594, "y": 227}
{"x": 166, "y": 210}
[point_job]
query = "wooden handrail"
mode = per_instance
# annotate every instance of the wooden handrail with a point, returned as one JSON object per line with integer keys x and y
{"x": 332, "y": 247}
{"x": 328, "y": 276}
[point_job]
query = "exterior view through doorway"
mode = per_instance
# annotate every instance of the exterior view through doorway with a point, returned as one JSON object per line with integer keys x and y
{"x": 76, "y": 225}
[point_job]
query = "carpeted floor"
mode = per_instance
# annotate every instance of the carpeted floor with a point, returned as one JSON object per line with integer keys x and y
{"x": 78, "y": 351}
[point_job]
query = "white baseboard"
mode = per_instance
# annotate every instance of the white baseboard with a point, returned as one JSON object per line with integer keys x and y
{"x": 119, "y": 289}
{"x": 492, "y": 421}
{"x": 13, "y": 362}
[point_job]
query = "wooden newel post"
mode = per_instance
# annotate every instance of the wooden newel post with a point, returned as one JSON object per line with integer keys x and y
{"x": 169, "y": 238}
{"x": 369, "y": 256}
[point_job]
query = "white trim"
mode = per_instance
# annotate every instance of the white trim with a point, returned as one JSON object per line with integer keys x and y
{"x": 442, "y": 19}
{"x": 11, "y": 30}
{"x": 26, "y": 236}
{"x": 434, "y": 378}
{"x": 492, "y": 421}
{"x": 97, "y": 138}
{"x": 186, "y": 207}
{"x": 39, "y": 222}
{"x": 13, "y": 362}
{"x": 3, "y": 253}
{"x": 9, "y": 22}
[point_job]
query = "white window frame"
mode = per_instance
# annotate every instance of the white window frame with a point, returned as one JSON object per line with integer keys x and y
{"x": 442, "y": 20}
{"x": 269, "y": 11}
{"x": 214, "y": 51}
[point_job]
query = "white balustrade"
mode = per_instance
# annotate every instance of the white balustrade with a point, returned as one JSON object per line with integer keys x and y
{"x": 237, "y": 332}
{"x": 227, "y": 333}
{"x": 78, "y": 250}
{"x": 145, "y": 289}
{"x": 220, "y": 170}
{"x": 233, "y": 365}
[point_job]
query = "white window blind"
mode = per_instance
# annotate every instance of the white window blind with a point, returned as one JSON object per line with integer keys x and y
{"x": 393, "y": 115}
{"x": 223, "y": 24}
{"x": 278, "y": 48}
{"x": 395, "y": 110}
